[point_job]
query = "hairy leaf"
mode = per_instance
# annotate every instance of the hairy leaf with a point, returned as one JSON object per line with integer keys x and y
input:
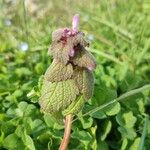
{"x": 57, "y": 96}
{"x": 60, "y": 51}
{"x": 85, "y": 81}
{"x": 58, "y": 72}
{"x": 84, "y": 59}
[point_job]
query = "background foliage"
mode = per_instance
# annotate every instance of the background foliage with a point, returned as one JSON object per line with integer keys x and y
{"x": 120, "y": 40}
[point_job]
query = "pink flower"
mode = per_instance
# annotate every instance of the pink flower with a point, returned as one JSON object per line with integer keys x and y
{"x": 75, "y": 22}
{"x": 71, "y": 52}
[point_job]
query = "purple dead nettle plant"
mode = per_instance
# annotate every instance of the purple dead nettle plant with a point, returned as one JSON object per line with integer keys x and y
{"x": 68, "y": 82}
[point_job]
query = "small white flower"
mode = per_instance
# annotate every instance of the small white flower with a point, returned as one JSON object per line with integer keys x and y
{"x": 7, "y": 22}
{"x": 90, "y": 37}
{"x": 24, "y": 46}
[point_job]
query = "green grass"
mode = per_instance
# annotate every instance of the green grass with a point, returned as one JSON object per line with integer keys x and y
{"x": 119, "y": 34}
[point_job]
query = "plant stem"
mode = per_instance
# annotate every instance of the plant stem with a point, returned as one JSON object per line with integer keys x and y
{"x": 66, "y": 138}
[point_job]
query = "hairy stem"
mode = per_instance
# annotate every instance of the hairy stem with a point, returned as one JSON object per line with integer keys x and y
{"x": 66, "y": 138}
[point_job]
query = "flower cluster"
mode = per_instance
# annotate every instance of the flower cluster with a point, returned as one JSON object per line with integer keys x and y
{"x": 68, "y": 82}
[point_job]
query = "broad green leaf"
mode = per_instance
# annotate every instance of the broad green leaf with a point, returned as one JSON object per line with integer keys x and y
{"x": 23, "y": 106}
{"x": 103, "y": 94}
{"x": 25, "y": 109}
{"x": 18, "y": 93}
{"x": 13, "y": 142}
{"x": 36, "y": 124}
{"x": 130, "y": 81}
{"x": 57, "y": 96}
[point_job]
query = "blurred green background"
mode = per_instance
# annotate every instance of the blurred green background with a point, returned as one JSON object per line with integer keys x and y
{"x": 119, "y": 33}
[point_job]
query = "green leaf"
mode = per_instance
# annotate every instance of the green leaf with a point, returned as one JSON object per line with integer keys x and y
{"x": 60, "y": 51}
{"x": 129, "y": 119}
{"x": 85, "y": 82}
{"x": 2, "y": 138}
{"x": 13, "y": 142}
{"x": 18, "y": 93}
{"x": 85, "y": 121}
{"x": 106, "y": 129}
{"x": 98, "y": 114}
{"x": 128, "y": 133}
{"x": 39, "y": 68}
{"x": 135, "y": 144}
{"x": 57, "y": 96}
{"x": 28, "y": 141}
{"x": 52, "y": 121}
{"x": 84, "y": 59}
{"x": 102, "y": 145}
{"x": 82, "y": 135}
{"x": 113, "y": 109}
{"x": 75, "y": 106}
{"x": 23, "y": 72}
{"x": 19, "y": 131}
{"x": 58, "y": 72}
{"x": 124, "y": 144}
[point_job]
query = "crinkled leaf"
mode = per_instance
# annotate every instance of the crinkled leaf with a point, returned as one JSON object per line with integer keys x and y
{"x": 58, "y": 71}
{"x": 57, "y": 34}
{"x": 60, "y": 51}
{"x": 57, "y": 96}
{"x": 83, "y": 58}
{"x": 85, "y": 81}
{"x": 79, "y": 39}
